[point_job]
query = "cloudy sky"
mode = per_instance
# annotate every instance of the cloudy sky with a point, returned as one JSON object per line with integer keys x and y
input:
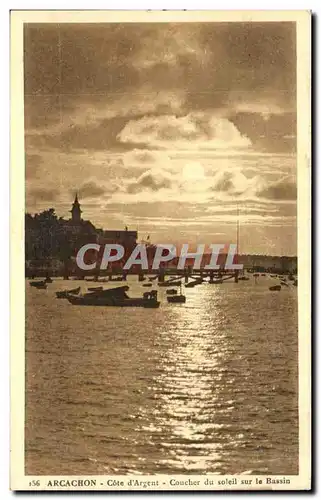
{"x": 166, "y": 128}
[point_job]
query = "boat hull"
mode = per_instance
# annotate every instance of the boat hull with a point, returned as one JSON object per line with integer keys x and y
{"x": 63, "y": 293}
{"x": 169, "y": 283}
{"x": 191, "y": 284}
{"x": 112, "y": 301}
{"x": 176, "y": 299}
{"x": 38, "y": 284}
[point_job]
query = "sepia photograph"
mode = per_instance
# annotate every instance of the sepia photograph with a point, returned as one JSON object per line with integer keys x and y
{"x": 161, "y": 251}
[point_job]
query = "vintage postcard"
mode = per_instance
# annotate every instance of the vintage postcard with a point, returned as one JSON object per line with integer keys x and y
{"x": 160, "y": 250}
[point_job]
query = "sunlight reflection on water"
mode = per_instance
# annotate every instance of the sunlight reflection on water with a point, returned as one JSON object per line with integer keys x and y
{"x": 209, "y": 386}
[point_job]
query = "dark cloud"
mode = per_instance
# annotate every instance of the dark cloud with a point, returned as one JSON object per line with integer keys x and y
{"x": 209, "y": 59}
{"x": 41, "y": 59}
{"x": 253, "y": 55}
{"x": 97, "y": 136}
{"x": 78, "y": 58}
{"x": 92, "y": 135}
{"x": 267, "y": 131}
{"x": 32, "y": 165}
{"x": 149, "y": 181}
{"x": 284, "y": 189}
{"x": 91, "y": 189}
{"x": 43, "y": 111}
{"x": 224, "y": 182}
{"x": 214, "y": 66}
{"x": 144, "y": 157}
{"x": 43, "y": 194}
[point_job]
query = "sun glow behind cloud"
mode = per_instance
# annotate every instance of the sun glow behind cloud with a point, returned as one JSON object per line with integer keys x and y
{"x": 166, "y": 120}
{"x": 193, "y": 172}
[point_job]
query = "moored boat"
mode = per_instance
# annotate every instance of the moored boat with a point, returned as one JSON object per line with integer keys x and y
{"x": 169, "y": 283}
{"x": 171, "y": 291}
{"x": 63, "y": 293}
{"x": 276, "y": 288}
{"x": 191, "y": 284}
{"x": 176, "y": 299}
{"x": 115, "y": 297}
{"x": 137, "y": 302}
{"x": 38, "y": 284}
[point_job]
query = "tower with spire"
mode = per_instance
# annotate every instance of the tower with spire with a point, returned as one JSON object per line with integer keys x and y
{"x": 75, "y": 210}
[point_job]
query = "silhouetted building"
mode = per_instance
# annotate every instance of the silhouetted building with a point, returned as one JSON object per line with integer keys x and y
{"x": 75, "y": 211}
{"x": 77, "y": 226}
{"x": 50, "y": 240}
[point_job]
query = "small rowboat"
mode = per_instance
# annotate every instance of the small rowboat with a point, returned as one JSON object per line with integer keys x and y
{"x": 39, "y": 284}
{"x": 275, "y": 288}
{"x": 176, "y": 299}
{"x": 169, "y": 283}
{"x": 115, "y": 297}
{"x": 63, "y": 293}
{"x": 191, "y": 284}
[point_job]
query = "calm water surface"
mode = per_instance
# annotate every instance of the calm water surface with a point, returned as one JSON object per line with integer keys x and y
{"x": 209, "y": 386}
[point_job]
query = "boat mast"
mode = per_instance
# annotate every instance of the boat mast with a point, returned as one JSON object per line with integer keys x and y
{"x": 237, "y": 232}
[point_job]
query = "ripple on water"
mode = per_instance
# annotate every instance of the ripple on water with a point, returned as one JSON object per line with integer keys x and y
{"x": 206, "y": 387}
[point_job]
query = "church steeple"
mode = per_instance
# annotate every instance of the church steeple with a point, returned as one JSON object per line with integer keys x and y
{"x": 75, "y": 211}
